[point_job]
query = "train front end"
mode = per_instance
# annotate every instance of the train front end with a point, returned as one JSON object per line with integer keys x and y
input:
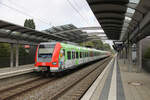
{"x": 47, "y": 57}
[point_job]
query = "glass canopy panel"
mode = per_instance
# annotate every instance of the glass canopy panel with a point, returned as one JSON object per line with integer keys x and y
{"x": 128, "y": 18}
{"x": 129, "y": 13}
{"x": 130, "y": 10}
{"x": 134, "y": 1}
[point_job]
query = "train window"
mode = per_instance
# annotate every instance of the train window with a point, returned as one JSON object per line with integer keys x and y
{"x": 77, "y": 55}
{"x": 47, "y": 45}
{"x": 80, "y": 54}
{"x": 91, "y": 54}
{"x": 45, "y": 51}
{"x": 73, "y": 55}
{"x": 64, "y": 51}
{"x": 69, "y": 55}
{"x": 85, "y": 54}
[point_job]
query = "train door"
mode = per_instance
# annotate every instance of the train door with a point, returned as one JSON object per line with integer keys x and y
{"x": 77, "y": 57}
{"x": 62, "y": 59}
{"x": 68, "y": 62}
{"x": 80, "y": 57}
{"x": 73, "y": 58}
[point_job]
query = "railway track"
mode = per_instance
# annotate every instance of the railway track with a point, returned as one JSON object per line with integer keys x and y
{"x": 87, "y": 80}
{"x": 22, "y": 87}
{"x": 78, "y": 89}
{"x": 60, "y": 88}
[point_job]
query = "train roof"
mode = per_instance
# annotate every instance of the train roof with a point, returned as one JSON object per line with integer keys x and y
{"x": 74, "y": 46}
{"x": 80, "y": 47}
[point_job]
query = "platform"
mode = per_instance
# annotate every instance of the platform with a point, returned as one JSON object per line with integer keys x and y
{"x": 116, "y": 83}
{"x": 9, "y": 72}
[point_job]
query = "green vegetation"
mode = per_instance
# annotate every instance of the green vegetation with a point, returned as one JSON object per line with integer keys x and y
{"x": 29, "y": 23}
{"x": 4, "y": 49}
{"x": 147, "y": 54}
{"x": 22, "y": 51}
{"x": 98, "y": 44}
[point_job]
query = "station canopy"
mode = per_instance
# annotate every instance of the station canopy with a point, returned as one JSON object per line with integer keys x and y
{"x": 60, "y": 33}
{"x": 114, "y": 16}
{"x": 69, "y": 32}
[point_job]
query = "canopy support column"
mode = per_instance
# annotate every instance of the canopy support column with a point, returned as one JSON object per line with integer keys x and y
{"x": 11, "y": 55}
{"x": 130, "y": 58}
{"x": 139, "y": 56}
{"x": 17, "y": 55}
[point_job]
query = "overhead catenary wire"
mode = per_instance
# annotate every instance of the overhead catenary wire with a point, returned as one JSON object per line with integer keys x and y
{"x": 86, "y": 6}
{"x": 77, "y": 11}
{"x": 23, "y": 8}
{"x": 79, "y": 6}
{"x": 24, "y": 13}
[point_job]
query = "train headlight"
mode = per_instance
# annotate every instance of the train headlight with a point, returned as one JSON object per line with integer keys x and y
{"x": 54, "y": 63}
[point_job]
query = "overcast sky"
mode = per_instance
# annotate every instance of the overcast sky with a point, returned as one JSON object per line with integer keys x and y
{"x": 48, "y": 13}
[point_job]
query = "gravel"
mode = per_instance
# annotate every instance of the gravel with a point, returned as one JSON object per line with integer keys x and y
{"x": 45, "y": 92}
{"x": 12, "y": 80}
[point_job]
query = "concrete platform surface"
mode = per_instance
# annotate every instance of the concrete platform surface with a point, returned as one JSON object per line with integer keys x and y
{"x": 116, "y": 83}
{"x": 136, "y": 85}
{"x": 9, "y": 72}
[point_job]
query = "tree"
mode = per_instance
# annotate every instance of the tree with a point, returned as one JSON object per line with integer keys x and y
{"x": 87, "y": 44}
{"x": 22, "y": 51}
{"x": 97, "y": 44}
{"x": 29, "y": 23}
{"x": 107, "y": 47}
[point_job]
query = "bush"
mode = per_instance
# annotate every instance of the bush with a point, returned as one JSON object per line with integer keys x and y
{"x": 147, "y": 54}
{"x": 4, "y": 50}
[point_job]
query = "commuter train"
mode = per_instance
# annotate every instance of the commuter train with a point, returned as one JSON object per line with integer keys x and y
{"x": 57, "y": 57}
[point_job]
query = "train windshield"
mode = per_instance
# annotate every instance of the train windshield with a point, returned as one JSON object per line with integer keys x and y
{"x": 45, "y": 52}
